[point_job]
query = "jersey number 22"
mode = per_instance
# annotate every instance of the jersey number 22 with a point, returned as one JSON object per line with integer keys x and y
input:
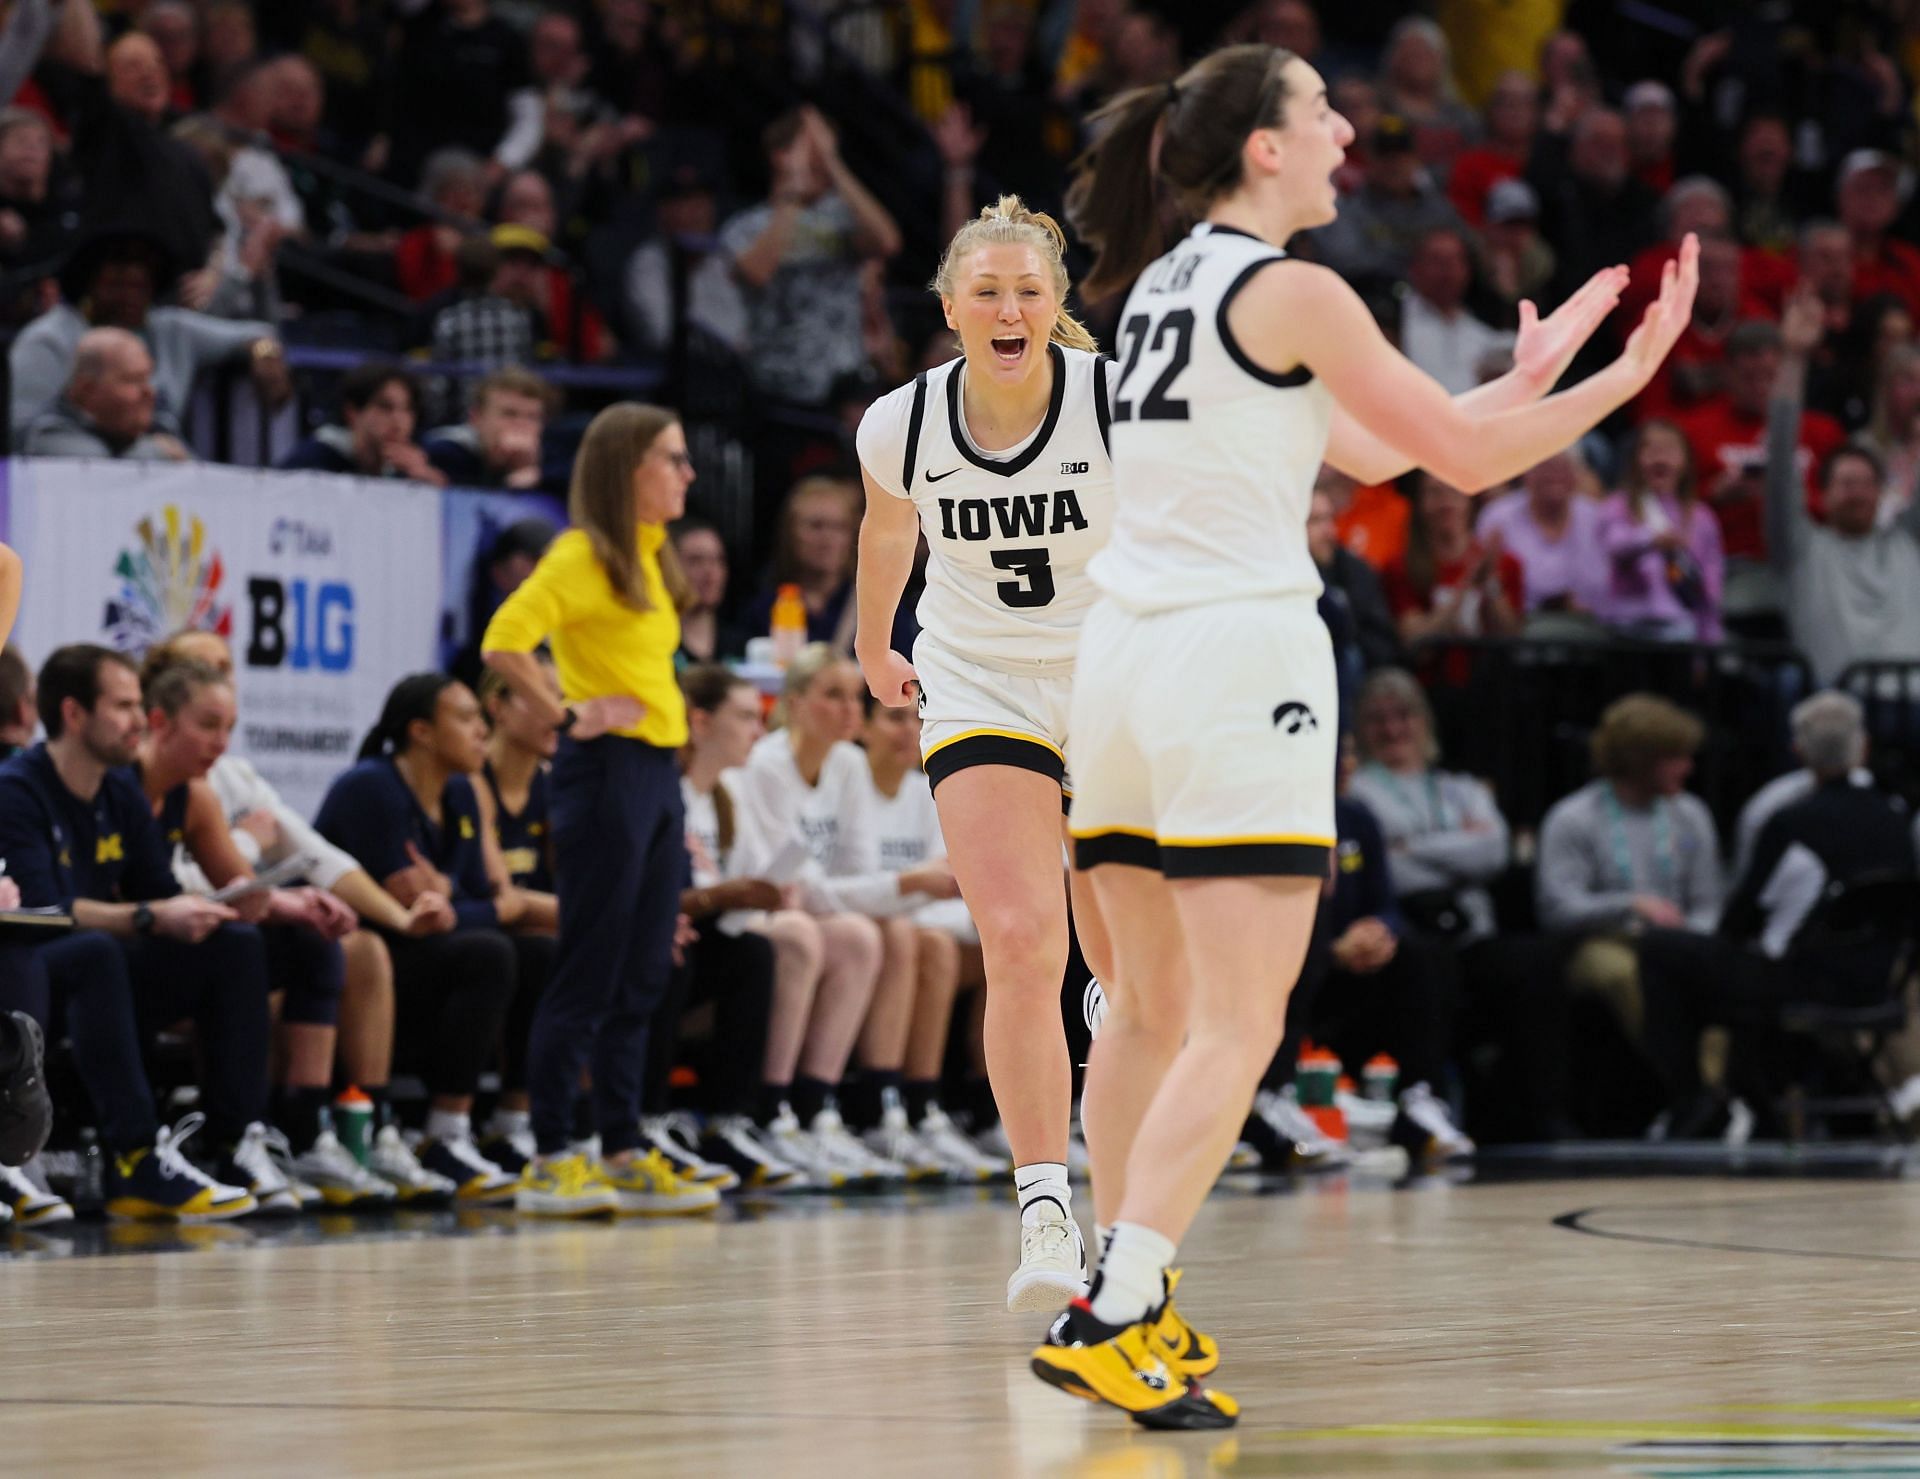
{"x": 1141, "y": 333}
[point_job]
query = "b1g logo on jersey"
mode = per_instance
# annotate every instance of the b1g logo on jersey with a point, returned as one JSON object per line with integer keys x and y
{"x": 1072, "y": 469}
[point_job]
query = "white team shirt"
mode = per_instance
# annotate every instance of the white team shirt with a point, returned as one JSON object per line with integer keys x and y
{"x": 775, "y": 809}
{"x": 905, "y": 827}
{"x": 1009, "y": 533}
{"x": 1214, "y": 458}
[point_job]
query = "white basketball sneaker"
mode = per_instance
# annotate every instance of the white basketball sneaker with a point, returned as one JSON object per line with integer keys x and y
{"x": 1053, "y": 1264}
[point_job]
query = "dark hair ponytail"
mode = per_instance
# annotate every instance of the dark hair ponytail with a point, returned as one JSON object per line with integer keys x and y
{"x": 416, "y": 696}
{"x": 1187, "y": 134}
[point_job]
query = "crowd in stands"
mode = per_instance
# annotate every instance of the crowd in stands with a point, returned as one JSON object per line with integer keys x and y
{"x": 748, "y": 205}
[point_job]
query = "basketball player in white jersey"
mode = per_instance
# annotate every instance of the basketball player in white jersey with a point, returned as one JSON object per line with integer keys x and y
{"x": 1000, "y": 459}
{"x": 1203, "y": 714}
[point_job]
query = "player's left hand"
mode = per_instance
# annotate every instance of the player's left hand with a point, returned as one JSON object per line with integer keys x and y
{"x": 1545, "y": 347}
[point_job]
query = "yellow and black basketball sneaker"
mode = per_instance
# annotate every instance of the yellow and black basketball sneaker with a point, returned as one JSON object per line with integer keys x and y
{"x": 1189, "y": 1354}
{"x": 1126, "y": 1366}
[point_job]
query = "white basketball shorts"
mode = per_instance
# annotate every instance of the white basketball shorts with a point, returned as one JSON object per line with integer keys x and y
{"x": 972, "y": 714}
{"x": 1205, "y": 740}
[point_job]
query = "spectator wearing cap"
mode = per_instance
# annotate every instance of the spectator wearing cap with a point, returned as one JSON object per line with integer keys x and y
{"x": 499, "y": 447}
{"x": 1436, "y": 331}
{"x": 379, "y": 410}
{"x": 1653, "y": 122}
{"x": 455, "y": 184}
{"x": 1728, "y": 434}
{"x": 1873, "y": 188}
{"x": 527, "y": 216}
{"x": 492, "y": 320}
{"x": 1515, "y": 260}
{"x": 685, "y": 215}
{"x": 107, "y": 408}
{"x": 1591, "y": 207}
{"x": 1373, "y": 240}
{"x": 111, "y": 283}
{"x": 1511, "y": 119}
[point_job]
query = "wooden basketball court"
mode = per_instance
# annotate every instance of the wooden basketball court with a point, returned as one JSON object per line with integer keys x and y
{"x": 1709, "y": 1326}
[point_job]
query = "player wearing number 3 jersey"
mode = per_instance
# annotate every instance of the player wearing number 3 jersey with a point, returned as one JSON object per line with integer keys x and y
{"x": 1000, "y": 459}
{"x": 1203, "y": 712}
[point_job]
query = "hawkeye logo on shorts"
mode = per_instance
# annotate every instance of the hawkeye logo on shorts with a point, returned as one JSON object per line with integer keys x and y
{"x": 1294, "y": 717}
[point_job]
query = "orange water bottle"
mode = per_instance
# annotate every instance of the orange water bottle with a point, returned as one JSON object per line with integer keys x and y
{"x": 789, "y": 631}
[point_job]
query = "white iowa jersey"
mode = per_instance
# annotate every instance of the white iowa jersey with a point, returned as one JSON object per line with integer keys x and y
{"x": 1009, "y": 534}
{"x": 1214, "y": 459}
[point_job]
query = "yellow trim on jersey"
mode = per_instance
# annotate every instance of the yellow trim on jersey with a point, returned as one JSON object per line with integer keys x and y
{"x": 1078, "y": 836}
{"x": 1247, "y": 841}
{"x": 1032, "y": 739}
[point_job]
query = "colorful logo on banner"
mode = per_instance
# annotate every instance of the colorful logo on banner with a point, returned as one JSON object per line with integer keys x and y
{"x": 169, "y": 581}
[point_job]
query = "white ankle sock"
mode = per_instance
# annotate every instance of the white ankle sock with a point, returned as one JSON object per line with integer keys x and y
{"x": 1132, "y": 1274}
{"x": 510, "y": 1121}
{"x": 444, "y": 1124}
{"x": 1043, "y": 1190}
{"x": 1101, "y": 1234}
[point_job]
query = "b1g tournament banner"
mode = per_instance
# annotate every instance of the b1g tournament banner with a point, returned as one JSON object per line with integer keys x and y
{"x": 327, "y": 588}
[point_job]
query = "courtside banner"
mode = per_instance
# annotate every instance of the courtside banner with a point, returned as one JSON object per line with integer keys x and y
{"x": 326, "y": 587}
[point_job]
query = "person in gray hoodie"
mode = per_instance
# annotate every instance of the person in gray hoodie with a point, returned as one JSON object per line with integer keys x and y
{"x": 1853, "y": 585}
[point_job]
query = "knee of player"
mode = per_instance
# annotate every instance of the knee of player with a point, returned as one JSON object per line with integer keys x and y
{"x": 797, "y": 938}
{"x": 369, "y": 964}
{"x": 1033, "y": 945}
{"x": 237, "y": 953}
{"x": 856, "y": 940}
{"x": 939, "y": 957}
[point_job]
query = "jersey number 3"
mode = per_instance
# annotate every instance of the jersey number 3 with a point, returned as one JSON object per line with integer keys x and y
{"x": 1139, "y": 334}
{"x": 1035, "y": 585}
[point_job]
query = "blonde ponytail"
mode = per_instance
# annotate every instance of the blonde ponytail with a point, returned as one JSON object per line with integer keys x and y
{"x": 1009, "y": 221}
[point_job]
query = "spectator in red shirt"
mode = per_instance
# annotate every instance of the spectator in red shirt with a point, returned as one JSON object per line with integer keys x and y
{"x": 455, "y": 182}
{"x": 1696, "y": 368}
{"x": 1694, "y": 205}
{"x": 1729, "y": 437}
{"x": 1512, "y": 114}
{"x": 1449, "y": 584}
{"x": 1652, "y": 122}
{"x": 1873, "y": 188}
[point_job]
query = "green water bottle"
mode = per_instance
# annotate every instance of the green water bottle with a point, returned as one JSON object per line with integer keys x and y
{"x": 353, "y": 1123}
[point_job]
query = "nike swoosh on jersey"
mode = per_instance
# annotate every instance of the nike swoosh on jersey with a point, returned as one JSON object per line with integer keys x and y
{"x": 934, "y": 477}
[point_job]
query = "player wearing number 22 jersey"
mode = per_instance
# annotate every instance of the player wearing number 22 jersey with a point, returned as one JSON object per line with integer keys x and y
{"x": 1009, "y": 537}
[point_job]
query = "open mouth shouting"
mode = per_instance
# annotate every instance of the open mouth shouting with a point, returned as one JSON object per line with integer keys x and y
{"x": 1010, "y": 349}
